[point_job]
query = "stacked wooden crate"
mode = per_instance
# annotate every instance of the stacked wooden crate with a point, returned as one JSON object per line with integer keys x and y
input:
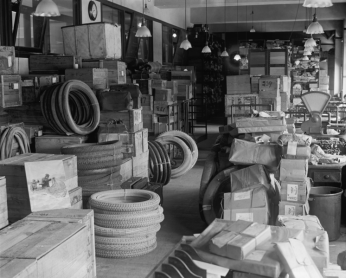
{"x": 49, "y": 244}
{"x": 239, "y": 92}
{"x": 3, "y": 203}
{"x": 323, "y": 81}
{"x": 269, "y": 91}
{"x": 18, "y": 200}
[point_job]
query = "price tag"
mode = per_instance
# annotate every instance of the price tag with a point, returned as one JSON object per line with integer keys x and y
{"x": 244, "y": 216}
{"x": 242, "y": 195}
{"x": 9, "y": 61}
{"x": 292, "y": 148}
{"x": 292, "y": 192}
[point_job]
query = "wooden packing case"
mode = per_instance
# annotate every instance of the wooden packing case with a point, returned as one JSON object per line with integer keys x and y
{"x": 10, "y": 91}
{"x": 131, "y": 118}
{"x": 96, "y": 79}
{"x": 133, "y": 89}
{"x": 7, "y": 54}
{"x": 51, "y": 63}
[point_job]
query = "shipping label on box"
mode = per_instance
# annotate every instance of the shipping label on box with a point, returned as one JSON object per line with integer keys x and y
{"x": 7, "y": 54}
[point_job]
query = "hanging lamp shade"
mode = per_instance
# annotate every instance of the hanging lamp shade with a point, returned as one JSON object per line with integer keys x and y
{"x": 224, "y": 53}
{"x": 297, "y": 62}
{"x": 47, "y": 8}
{"x": 317, "y": 3}
{"x": 310, "y": 42}
{"x": 185, "y": 44}
{"x": 143, "y": 32}
{"x": 206, "y": 49}
{"x": 237, "y": 57}
{"x": 306, "y": 53}
{"x": 309, "y": 48}
{"x": 315, "y": 27}
{"x": 305, "y": 58}
{"x": 252, "y": 30}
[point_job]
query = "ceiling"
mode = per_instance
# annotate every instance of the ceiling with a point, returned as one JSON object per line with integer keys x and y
{"x": 268, "y": 15}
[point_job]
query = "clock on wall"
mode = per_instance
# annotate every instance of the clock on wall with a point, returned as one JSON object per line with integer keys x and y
{"x": 92, "y": 10}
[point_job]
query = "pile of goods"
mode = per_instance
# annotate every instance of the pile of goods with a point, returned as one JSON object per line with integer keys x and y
{"x": 126, "y": 222}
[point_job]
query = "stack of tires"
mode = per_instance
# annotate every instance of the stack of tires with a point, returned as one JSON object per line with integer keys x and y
{"x": 98, "y": 166}
{"x": 186, "y": 144}
{"x": 126, "y": 222}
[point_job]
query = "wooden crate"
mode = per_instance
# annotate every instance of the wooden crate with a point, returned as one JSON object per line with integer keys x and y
{"x": 182, "y": 75}
{"x": 131, "y": 118}
{"x": 147, "y": 102}
{"x": 96, "y": 79}
{"x": 132, "y": 89}
{"x": 164, "y": 108}
{"x": 28, "y": 114}
{"x": 269, "y": 87}
{"x": 3, "y": 203}
{"x": 52, "y": 144}
{"x": 67, "y": 216}
{"x": 93, "y": 41}
{"x": 159, "y": 128}
{"x": 10, "y": 91}
{"x": 140, "y": 164}
{"x": 275, "y": 102}
{"x": 57, "y": 249}
{"x": 184, "y": 92}
{"x": 116, "y": 69}
{"x": 137, "y": 141}
{"x": 158, "y": 83}
{"x": 149, "y": 118}
{"x": 50, "y": 63}
{"x": 34, "y": 84}
{"x": 167, "y": 119}
{"x": 33, "y": 131}
{"x": 240, "y": 100}
{"x": 238, "y": 84}
{"x": 163, "y": 95}
{"x": 144, "y": 86}
{"x": 7, "y": 54}
{"x": 126, "y": 170}
{"x": 110, "y": 100}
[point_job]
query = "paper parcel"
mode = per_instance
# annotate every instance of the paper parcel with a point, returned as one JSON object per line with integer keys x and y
{"x": 248, "y": 153}
{"x": 249, "y": 205}
{"x": 293, "y": 151}
{"x": 295, "y": 191}
{"x": 296, "y": 260}
{"x": 291, "y": 208}
{"x": 237, "y": 245}
{"x": 293, "y": 169}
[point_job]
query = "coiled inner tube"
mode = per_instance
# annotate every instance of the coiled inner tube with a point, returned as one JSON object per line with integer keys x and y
{"x": 71, "y": 108}
{"x": 9, "y": 136}
{"x": 159, "y": 163}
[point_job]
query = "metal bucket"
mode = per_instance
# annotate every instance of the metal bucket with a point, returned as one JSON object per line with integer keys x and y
{"x": 325, "y": 203}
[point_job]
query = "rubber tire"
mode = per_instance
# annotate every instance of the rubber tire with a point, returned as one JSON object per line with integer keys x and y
{"x": 123, "y": 240}
{"x": 167, "y": 162}
{"x": 131, "y": 216}
{"x": 212, "y": 207}
{"x": 154, "y": 164}
{"x": 150, "y": 200}
{"x": 136, "y": 232}
{"x": 188, "y": 140}
{"x": 124, "y": 254}
{"x": 98, "y": 162}
{"x": 131, "y": 223}
{"x": 185, "y": 166}
{"x": 126, "y": 247}
{"x": 106, "y": 171}
{"x": 108, "y": 146}
{"x": 166, "y": 175}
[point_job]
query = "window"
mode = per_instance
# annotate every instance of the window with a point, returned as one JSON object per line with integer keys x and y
{"x": 170, "y": 38}
{"x": 32, "y": 29}
{"x": 110, "y": 15}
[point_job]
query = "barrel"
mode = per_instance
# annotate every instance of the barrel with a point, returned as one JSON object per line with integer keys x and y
{"x": 325, "y": 203}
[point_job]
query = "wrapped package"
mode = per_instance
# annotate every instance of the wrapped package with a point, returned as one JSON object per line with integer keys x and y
{"x": 247, "y": 153}
{"x": 296, "y": 260}
{"x": 257, "y": 129}
{"x": 295, "y": 191}
{"x": 306, "y": 222}
{"x": 250, "y": 177}
{"x": 260, "y": 262}
{"x": 290, "y": 208}
{"x": 301, "y": 139}
{"x": 238, "y": 245}
{"x": 249, "y": 205}
{"x": 293, "y": 169}
{"x": 299, "y": 152}
{"x": 259, "y": 122}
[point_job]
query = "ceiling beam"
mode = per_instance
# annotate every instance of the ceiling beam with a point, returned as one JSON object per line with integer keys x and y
{"x": 172, "y": 4}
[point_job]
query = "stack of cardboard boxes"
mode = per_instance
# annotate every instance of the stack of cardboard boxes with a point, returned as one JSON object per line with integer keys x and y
{"x": 269, "y": 92}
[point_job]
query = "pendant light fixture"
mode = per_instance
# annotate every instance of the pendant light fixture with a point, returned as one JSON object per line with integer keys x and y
{"x": 146, "y": 9}
{"x": 317, "y": 3}
{"x": 315, "y": 27}
{"x": 252, "y": 30}
{"x": 225, "y": 53}
{"x": 297, "y": 62}
{"x": 143, "y": 31}
{"x": 206, "y": 49}
{"x": 185, "y": 43}
{"x": 47, "y": 8}
{"x": 310, "y": 42}
{"x": 305, "y": 58}
{"x": 237, "y": 56}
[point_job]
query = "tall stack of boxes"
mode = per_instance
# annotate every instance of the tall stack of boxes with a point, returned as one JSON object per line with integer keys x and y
{"x": 295, "y": 185}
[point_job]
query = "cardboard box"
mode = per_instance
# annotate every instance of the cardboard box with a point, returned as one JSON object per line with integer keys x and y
{"x": 242, "y": 130}
{"x": 322, "y": 72}
{"x": 248, "y": 205}
{"x": 274, "y": 102}
{"x": 295, "y": 191}
{"x": 258, "y": 122}
{"x": 290, "y": 208}
{"x": 238, "y": 84}
{"x": 248, "y": 153}
{"x": 163, "y": 95}
{"x": 285, "y": 83}
{"x": 271, "y": 85}
{"x": 296, "y": 260}
{"x": 243, "y": 99}
{"x": 237, "y": 245}
{"x": 323, "y": 80}
{"x": 293, "y": 169}
{"x": 299, "y": 152}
